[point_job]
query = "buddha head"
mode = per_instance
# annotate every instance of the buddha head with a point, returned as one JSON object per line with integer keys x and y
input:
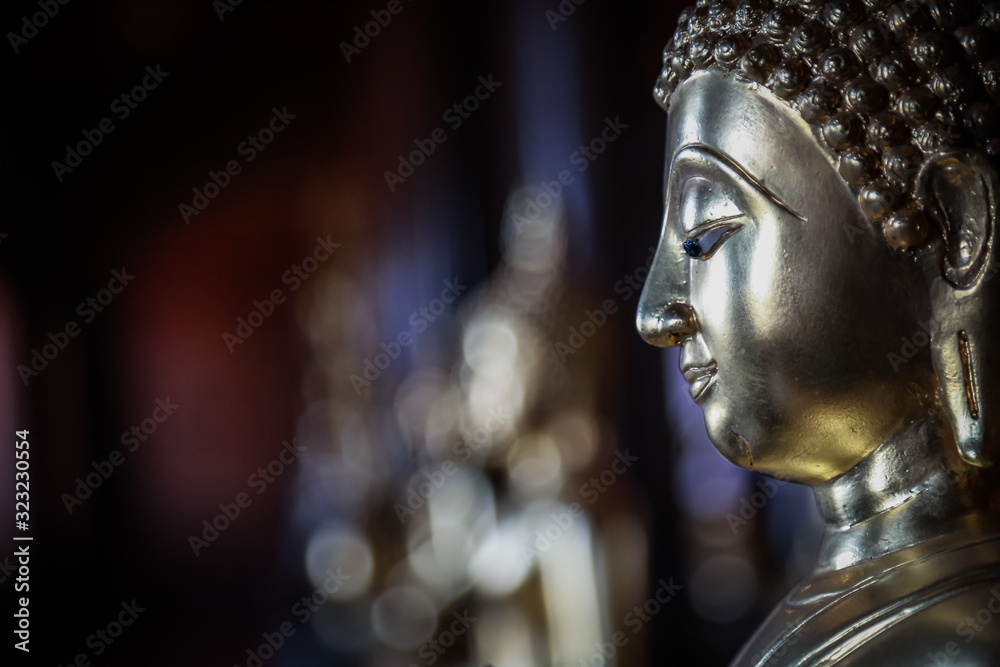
{"x": 827, "y": 248}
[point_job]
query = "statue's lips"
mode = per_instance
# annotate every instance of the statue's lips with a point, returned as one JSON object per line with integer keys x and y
{"x": 700, "y": 378}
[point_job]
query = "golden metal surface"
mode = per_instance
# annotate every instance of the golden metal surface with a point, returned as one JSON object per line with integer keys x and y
{"x": 820, "y": 354}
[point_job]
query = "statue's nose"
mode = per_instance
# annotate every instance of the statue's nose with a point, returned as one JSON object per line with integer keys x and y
{"x": 665, "y": 326}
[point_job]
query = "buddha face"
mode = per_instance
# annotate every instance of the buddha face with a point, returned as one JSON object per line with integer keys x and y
{"x": 785, "y": 300}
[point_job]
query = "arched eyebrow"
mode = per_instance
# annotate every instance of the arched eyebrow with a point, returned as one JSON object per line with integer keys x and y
{"x": 743, "y": 174}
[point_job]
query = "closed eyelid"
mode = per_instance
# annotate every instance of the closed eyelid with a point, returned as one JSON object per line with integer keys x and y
{"x": 707, "y": 225}
{"x": 728, "y": 165}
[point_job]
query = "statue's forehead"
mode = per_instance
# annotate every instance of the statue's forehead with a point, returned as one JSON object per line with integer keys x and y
{"x": 768, "y": 139}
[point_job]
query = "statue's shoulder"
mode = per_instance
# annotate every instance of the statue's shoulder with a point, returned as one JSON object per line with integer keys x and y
{"x": 927, "y": 607}
{"x": 959, "y": 626}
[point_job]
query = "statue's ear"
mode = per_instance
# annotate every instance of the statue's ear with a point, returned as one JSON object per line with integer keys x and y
{"x": 959, "y": 190}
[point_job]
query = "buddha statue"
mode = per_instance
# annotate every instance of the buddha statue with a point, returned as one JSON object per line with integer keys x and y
{"x": 825, "y": 267}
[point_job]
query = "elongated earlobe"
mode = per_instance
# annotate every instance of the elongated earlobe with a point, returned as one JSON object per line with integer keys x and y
{"x": 958, "y": 190}
{"x": 966, "y": 412}
{"x": 969, "y": 373}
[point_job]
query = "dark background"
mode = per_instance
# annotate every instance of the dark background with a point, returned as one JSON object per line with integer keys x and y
{"x": 323, "y": 174}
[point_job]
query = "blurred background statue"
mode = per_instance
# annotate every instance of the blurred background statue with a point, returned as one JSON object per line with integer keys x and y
{"x": 461, "y": 503}
{"x": 825, "y": 266}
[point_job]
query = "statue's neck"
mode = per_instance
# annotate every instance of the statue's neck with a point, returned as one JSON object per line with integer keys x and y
{"x": 901, "y": 495}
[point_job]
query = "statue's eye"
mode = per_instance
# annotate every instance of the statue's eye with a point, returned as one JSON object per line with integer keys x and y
{"x": 705, "y": 239}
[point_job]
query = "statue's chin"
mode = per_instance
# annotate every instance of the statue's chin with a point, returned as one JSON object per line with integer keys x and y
{"x": 743, "y": 443}
{"x": 728, "y": 439}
